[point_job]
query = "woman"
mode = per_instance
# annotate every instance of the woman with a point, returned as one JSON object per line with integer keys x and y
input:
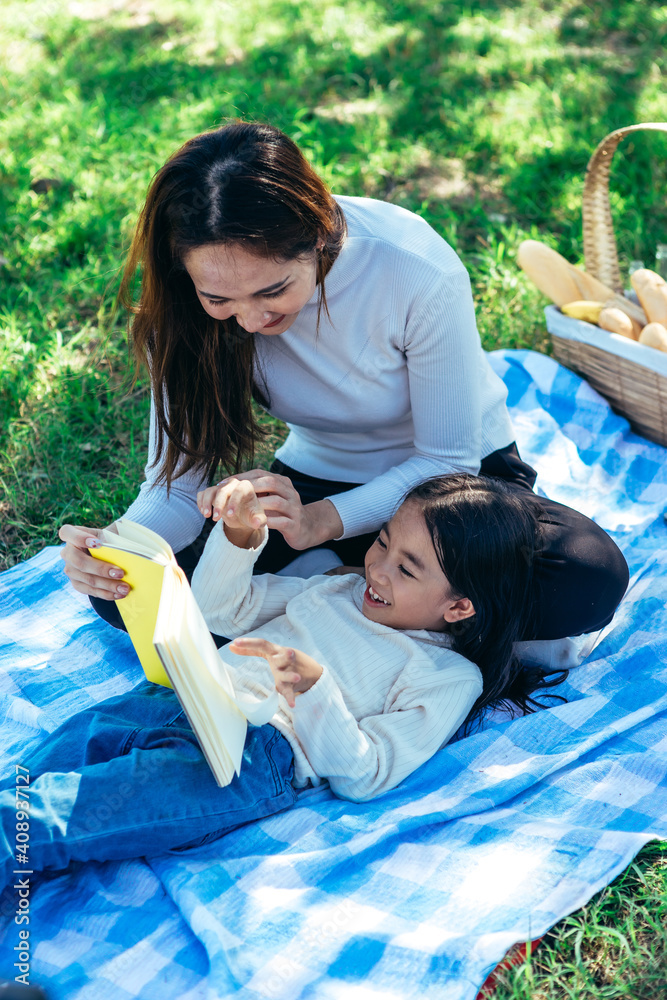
{"x": 352, "y": 321}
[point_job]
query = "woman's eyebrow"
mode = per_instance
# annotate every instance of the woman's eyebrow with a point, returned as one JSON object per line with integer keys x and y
{"x": 262, "y": 291}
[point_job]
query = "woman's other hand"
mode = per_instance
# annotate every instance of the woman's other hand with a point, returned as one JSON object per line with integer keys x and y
{"x": 302, "y": 526}
{"x": 293, "y": 670}
{"x": 87, "y": 575}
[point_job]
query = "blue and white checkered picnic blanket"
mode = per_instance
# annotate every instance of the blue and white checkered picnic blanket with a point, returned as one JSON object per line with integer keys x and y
{"x": 421, "y": 892}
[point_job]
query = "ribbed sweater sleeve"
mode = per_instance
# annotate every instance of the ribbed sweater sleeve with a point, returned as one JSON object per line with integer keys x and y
{"x": 175, "y": 517}
{"x": 366, "y": 758}
{"x": 232, "y": 600}
{"x": 442, "y": 354}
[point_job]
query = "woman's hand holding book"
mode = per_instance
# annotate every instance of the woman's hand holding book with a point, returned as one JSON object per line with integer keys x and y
{"x": 87, "y": 575}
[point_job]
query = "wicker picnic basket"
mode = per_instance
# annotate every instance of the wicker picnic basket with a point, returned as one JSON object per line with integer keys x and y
{"x": 630, "y": 375}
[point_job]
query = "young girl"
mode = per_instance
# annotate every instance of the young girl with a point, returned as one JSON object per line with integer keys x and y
{"x": 373, "y": 676}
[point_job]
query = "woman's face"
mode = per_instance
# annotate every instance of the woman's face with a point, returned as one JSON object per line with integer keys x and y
{"x": 264, "y": 295}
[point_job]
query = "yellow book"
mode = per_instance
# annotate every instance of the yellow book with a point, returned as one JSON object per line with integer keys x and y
{"x": 175, "y": 647}
{"x": 144, "y": 565}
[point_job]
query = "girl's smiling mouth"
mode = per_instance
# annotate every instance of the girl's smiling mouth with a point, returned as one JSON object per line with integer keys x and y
{"x": 373, "y": 598}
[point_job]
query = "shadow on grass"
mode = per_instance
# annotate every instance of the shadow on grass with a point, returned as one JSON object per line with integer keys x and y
{"x": 441, "y": 86}
{"x": 435, "y": 84}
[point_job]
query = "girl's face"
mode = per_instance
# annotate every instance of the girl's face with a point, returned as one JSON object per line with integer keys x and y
{"x": 405, "y": 587}
{"x": 264, "y": 295}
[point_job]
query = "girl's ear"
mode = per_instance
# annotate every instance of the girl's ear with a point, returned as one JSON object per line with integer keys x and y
{"x": 458, "y": 610}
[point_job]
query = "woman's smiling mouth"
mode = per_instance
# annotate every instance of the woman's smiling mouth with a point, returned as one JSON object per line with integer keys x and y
{"x": 275, "y": 322}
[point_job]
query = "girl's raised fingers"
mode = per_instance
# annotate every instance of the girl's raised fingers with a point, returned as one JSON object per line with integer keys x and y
{"x": 220, "y": 501}
{"x": 204, "y": 502}
{"x": 278, "y": 656}
{"x": 210, "y": 500}
{"x": 254, "y": 647}
{"x": 251, "y": 512}
{"x": 238, "y": 504}
{"x": 227, "y": 500}
{"x": 281, "y": 674}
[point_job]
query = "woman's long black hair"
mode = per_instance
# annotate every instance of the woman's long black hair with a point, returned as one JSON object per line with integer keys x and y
{"x": 244, "y": 184}
{"x": 486, "y": 537}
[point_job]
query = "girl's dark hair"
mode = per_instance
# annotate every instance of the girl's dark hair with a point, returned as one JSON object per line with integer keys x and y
{"x": 486, "y": 536}
{"x": 246, "y": 184}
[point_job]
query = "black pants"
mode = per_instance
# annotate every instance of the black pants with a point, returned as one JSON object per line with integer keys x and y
{"x": 580, "y": 573}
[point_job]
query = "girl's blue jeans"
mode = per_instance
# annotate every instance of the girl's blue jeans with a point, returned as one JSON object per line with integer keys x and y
{"x": 126, "y": 778}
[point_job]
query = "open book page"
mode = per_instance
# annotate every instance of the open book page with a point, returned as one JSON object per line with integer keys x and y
{"x": 199, "y": 678}
{"x": 257, "y": 712}
{"x": 133, "y": 537}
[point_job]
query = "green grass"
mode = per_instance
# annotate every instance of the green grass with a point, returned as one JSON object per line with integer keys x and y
{"x": 481, "y": 116}
{"x": 615, "y": 948}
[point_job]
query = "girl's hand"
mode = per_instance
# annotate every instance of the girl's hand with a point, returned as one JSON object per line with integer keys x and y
{"x": 293, "y": 671}
{"x": 235, "y": 502}
{"x": 87, "y": 575}
{"x": 301, "y": 526}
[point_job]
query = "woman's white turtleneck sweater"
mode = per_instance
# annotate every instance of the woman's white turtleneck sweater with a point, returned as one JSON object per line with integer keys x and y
{"x": 393, "y": 388}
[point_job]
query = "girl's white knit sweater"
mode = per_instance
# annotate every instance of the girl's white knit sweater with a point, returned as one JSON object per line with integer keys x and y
{"x": 392, "y": 389}
{"x": 386, "y": 701}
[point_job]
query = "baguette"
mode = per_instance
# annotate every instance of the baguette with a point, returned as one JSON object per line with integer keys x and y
{"x": 651, "y": 291}
{"x": 564, "y": 283}
{"x": 557, "y": 278}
